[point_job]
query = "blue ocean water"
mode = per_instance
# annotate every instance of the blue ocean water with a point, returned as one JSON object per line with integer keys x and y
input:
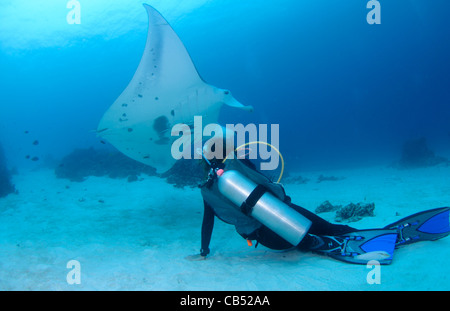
{"x": 342, "y": 91}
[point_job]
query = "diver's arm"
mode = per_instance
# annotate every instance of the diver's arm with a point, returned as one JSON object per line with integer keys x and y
{"x": 207, "y": 228}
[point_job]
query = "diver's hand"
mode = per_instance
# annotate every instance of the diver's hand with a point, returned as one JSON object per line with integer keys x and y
{"x": 196, "y": 257}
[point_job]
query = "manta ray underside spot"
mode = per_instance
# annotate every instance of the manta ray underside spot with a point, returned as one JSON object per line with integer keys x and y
{"x": 165, "y": 90}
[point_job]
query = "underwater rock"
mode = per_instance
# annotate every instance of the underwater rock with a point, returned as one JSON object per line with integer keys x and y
{"x": 354, "y": 212}
{"x": 186, "y": 172}
{"x": 82, "y": 163}
{"x": 415, "y": 153}
{"x": 6, "y": 187}
{"x": 327, "y": 207}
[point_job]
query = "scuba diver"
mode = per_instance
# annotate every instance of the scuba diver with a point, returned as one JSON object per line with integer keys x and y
{"x": 236, "y": 193}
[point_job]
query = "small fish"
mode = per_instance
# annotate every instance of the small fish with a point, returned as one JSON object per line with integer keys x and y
{"x": 34, "y": 159}
{"x": 36, "y": 142}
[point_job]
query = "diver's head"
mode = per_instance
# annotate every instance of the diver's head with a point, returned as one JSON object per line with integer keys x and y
{"x": 216, "y": 149}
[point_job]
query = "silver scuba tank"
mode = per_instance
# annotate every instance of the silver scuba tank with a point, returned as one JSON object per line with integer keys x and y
{"x": 270, "y": 211}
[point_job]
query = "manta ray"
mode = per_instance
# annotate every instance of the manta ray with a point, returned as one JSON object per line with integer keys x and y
{"x": 165, "y": 90}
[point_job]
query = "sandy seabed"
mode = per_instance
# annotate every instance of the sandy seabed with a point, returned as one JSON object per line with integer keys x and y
{"x": 136, "y": 236}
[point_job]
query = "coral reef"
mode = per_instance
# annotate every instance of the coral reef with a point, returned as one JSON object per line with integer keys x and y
{"x": 328, "y": 178}
{"x": 295, "y": 180}
{"x": 82, "y": 163}
{"x": 354, "y": 212}
{"x": 186, "y": 172}
{"x": 6, "y": 187}
{"x": 348, "y": 213}
{"x": 326, "y": 207}
{"x": 415, "y": 153}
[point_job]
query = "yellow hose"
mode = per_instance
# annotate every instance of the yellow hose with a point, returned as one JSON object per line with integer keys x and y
{"x": 263, "y": 142}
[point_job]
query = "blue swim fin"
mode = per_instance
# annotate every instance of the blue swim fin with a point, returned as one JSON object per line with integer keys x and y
{"x": 360, "y": 246}
{"x": 428, "y": 225}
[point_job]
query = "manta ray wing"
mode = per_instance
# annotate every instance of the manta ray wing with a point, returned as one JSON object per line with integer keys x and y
{"x": 166, "y": 89}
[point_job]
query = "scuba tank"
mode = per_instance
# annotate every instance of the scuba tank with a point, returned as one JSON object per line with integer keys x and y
{"x": 254, "y": 201}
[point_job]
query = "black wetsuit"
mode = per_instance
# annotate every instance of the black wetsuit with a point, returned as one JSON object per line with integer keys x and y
{"x": 249, "y": 228}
